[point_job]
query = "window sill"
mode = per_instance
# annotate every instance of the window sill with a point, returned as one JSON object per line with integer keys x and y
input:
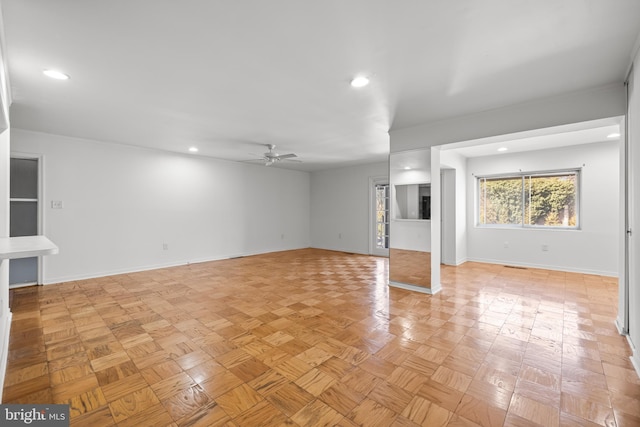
{"x": 517, "y": 227}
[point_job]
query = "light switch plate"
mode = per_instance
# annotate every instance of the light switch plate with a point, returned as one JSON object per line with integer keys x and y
{"x": 56, "y": 204}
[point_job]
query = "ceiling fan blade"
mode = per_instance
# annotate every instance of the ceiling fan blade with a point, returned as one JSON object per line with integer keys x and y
{"x": 286, "y": 156}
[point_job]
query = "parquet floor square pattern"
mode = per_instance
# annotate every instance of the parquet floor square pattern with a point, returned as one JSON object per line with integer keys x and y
{"x": 314, "y": 338}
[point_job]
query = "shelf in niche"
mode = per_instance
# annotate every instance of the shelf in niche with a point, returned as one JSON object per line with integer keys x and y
{"x": 26, "y": 247}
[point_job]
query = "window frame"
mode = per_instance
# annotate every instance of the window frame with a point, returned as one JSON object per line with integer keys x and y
{"x": 531, "y": 174}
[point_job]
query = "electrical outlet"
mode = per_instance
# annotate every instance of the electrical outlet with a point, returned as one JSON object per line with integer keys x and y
{"x": 282, "y": 236}
{"x": 165, "y": 246}
{"x": 545, "y": 248}
{"x": 506, "y": 244}
{"x": 56, "y": 204}
{"x": 339, "y": 235}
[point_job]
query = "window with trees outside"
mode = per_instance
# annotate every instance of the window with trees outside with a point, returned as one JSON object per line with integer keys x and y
{"x": 536, "y": 200}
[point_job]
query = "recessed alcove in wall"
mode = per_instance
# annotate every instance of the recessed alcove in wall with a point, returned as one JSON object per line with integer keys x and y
{"x": 597, "y": 148}
{"x": 559, "y": 147}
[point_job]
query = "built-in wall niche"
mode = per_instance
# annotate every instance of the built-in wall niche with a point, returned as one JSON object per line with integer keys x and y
{"x": 413, "y": 201}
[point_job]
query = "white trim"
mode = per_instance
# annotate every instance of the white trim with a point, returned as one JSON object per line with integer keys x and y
{"x": 622, "y": 320}
{"x": 635, "y": 357}
{"x": 635, "y": 361}
{"x": 545, "y": 267}
{"x": 619, "y": 327}
{"x": 22, "y": 285}
{"x": 436, "y": 287}
{"x": 72, "y": 278}
{"x": 4, "y": 347}
{"x": 461, "y": 261}
{"x": 349, "y": 251}
{"x": 429, "y": 291}
{"x": 159, "y": 266}
{"x": 436, "y": 220}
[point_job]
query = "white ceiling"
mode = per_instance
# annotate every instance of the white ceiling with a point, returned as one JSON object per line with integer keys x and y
{"x": 596, "y": 131}
{"x": 226, "y": 76}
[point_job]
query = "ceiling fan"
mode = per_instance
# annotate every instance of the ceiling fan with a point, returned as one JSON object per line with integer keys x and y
{"x": 271, "y": 157}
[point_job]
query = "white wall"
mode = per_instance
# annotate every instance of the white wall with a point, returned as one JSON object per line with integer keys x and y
{"x": 634, "y": 193}
{"x": 576, "y": 107}
{"x": 121, "y": 204}
{"x": 456, "y": 226}
{"x": 340, "y": 207}
{"x": 592, "y": 249}
{"x": 5, "y": 313}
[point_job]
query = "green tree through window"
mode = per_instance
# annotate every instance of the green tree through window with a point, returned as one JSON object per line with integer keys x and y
{"x": 501, "y": 201}
{"x": 551, "y": 200}
{"x": 529, "y": 200}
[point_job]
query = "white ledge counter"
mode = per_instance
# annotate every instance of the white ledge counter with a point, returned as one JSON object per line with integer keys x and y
{"x": 26, "y": 247}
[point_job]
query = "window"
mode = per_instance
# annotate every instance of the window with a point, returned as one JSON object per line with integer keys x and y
{"x": 537, "y": 200}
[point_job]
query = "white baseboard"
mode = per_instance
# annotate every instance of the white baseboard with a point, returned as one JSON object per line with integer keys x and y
{"x": 429, "y": 291}
{"x": 347, "y": 250}
{"x": 546, "y": 267}
{"x": 635, "y": 357}
{"x": 137, "y": 269}
{"x": 5, "y": 330}
{"x": 635, "y": 361}
{"x": 621, "y": 329}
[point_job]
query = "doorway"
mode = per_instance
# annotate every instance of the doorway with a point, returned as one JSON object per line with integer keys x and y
{"x": 448, "y": 216}
{"x": 379, "y": 240}
{"x": 24, "y": 216}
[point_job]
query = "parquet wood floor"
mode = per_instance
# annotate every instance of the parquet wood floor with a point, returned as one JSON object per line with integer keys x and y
{"x": 313, "y": 338}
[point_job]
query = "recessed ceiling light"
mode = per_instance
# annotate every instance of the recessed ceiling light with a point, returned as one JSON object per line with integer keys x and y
{"x": 360, "y": 81}
{"x": 55, "y": 74}
{"x": 407, "y": 168}
{"x": 613, "y": 135}
{"x": 193, "y": 149}
{"x": 502, "y": 149}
